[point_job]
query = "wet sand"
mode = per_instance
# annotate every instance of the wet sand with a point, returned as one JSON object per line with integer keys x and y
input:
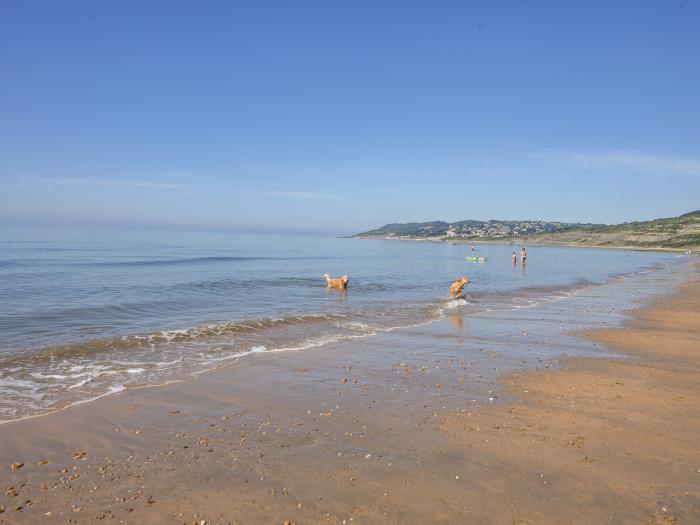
{"x": 609, "y": 440}
{"x": 385, "y": 430}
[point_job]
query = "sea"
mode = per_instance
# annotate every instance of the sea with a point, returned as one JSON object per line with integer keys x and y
{"x": 85, "y": 313}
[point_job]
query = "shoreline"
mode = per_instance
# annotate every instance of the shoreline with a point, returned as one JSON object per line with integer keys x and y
{"x": 192, "y": 375}
{"x": 693, "y": 250}
{"x": 476, "y": 305}
{"x": 374, "y": 431}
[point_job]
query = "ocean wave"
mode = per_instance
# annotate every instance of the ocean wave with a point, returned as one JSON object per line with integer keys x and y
{"x": 228, "y": 285}
{"x": 169, "y": 262}
{"x": 196, "y": 260}
{"x": 94, "y": 347}
{"x": 52, "y": 378}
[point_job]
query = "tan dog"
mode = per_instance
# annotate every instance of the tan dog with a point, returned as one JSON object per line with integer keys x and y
{"x": 458, "y": 286}
{"x": 341, "y": 283}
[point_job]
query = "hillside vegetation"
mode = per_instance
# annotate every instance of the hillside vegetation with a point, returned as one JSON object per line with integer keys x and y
{"x": 674, "y": 232}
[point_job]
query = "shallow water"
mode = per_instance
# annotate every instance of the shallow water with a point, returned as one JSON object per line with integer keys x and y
{"x": 86, "y": 313}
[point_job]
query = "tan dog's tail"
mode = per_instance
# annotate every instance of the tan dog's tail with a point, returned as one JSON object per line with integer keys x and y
{"x": 327, "y": 277}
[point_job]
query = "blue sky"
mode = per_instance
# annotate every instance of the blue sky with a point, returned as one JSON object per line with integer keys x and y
{"x": 341, "y": 116}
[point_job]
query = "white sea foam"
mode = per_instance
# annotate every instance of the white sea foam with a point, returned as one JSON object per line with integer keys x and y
{"x": 456, "y": 303}
{"x": 80, "y": 383}
{"x": 39, "y": 375}
{"x": 356, "y": 325}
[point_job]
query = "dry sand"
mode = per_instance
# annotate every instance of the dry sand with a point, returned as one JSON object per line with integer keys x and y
{"x": 364, "y": 437}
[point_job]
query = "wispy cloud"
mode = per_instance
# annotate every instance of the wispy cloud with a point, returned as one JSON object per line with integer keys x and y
{"x": 628, "y": 160}
{"x": 354, "y": 174}
{"x": 298, "y": 195}
{"x": 124, "y": 183}
{"x": 11, "y": 187}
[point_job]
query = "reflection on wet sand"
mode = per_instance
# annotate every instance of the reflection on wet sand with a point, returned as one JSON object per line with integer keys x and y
{"x": 457, "y": 320}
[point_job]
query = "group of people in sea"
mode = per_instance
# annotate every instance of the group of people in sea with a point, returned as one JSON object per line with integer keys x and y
{"x": 523, "y": 256}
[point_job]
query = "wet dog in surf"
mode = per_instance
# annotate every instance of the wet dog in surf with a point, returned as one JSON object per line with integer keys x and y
{"x": 341, "y": 283}
{"x": 457, "y": 287}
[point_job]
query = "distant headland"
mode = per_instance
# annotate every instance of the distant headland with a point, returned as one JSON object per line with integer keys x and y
{"x": 681, "y": 232}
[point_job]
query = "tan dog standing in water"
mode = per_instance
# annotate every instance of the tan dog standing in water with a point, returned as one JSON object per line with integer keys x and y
{"x": 341, "y": 283}
{"x": 457, "y": 287}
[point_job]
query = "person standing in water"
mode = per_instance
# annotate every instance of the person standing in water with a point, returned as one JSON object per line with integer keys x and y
{"x": 514, "y": 258}
{"x": 523, "y": 254}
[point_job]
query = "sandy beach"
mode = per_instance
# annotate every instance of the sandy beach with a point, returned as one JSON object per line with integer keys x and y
{"x": 382, "y": 430}
{"x": 202, "y": 319}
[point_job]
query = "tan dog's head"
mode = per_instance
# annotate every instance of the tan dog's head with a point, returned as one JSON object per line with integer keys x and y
{"x": 463, "y": 280}
{"x": 344, "y": 279}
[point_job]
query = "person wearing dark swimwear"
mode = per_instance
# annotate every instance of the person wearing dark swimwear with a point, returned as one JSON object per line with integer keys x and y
{"x": 523, "y": 254}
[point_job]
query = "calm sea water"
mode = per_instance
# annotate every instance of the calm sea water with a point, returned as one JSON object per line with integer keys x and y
{"x": 87, "y": 313}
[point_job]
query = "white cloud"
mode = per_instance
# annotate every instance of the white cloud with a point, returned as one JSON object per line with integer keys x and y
{"x": 124, "y": 183}
{"x": 626, "y": 160}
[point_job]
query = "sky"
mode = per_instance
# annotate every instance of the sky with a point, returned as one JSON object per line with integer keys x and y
{"x": 337, "y": 117}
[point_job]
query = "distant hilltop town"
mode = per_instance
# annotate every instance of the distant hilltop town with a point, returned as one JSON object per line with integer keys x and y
{"x": 492, "y": 229}
{"x": 676, "y": 232}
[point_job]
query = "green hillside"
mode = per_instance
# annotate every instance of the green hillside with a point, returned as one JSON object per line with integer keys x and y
{"x": 673, "y": 232}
